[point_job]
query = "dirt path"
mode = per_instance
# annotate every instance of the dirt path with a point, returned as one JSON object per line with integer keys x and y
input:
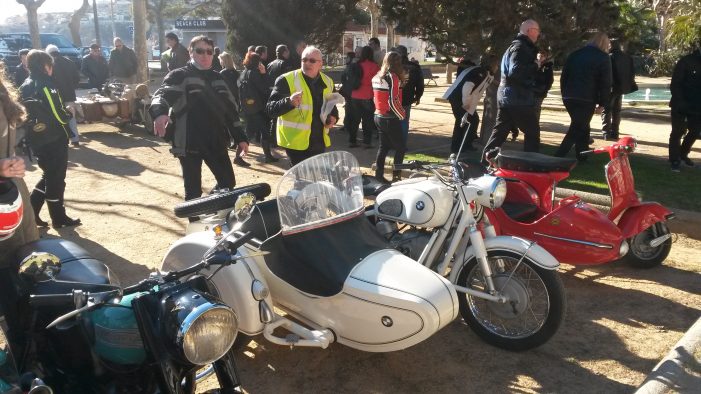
{"x": 620, "y": 322}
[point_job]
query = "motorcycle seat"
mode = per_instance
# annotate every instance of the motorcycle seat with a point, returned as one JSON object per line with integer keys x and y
{"x": 79, "y": 270}
{"x": 319, "y": 261}
{"x": 533, "y": 162}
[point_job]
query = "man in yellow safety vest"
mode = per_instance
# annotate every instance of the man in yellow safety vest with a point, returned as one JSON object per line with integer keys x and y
{"x": 298, "y": 100}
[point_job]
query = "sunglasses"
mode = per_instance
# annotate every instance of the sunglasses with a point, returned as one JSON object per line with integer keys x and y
{"x": 312, "y": 61}
{"x": 202, "y": 51}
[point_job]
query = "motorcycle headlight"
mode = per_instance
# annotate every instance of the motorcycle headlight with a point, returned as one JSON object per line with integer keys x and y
{"x": 491, "y": 190}
{"x": 499, "y": 193}
{"x": 207, "y": 333}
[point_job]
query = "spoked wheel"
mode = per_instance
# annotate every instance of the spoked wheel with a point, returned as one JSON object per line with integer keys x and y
{"x": 646, "y": 248}
{"x": 535, "y": 309}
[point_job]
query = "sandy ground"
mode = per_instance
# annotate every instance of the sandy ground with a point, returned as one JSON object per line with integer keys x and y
{"x": 620, "y": 321}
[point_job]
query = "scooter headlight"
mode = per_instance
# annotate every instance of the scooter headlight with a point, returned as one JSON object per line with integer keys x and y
{"x": 207, "y": 333}
{"x": 492, "y": 191}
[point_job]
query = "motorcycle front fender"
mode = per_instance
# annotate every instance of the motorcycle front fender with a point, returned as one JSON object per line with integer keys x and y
{"x": 636, "y": 219}
{"x": 536, "y": 253}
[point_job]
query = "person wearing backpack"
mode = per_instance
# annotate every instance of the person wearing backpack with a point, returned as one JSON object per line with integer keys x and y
{"x": 254, "y": 90}
{"x": 48, "y": 134}
{"x": 361, "y": 75}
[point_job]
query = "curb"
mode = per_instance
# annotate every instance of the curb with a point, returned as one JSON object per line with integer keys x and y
{"x": 629, "y": 111}
{"x": 680, "y": 370}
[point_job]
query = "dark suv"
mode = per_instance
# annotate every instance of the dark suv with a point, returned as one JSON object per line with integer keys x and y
{"x": 11, "y": 43}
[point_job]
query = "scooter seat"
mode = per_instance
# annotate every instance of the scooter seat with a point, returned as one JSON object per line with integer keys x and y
{"x": 79, "y": 270}
{"x": 533, "y": 162}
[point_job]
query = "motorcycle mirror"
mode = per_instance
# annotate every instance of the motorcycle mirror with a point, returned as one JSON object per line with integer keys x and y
{"x": 243, "y": 207}
{"x": 40, "y": 266}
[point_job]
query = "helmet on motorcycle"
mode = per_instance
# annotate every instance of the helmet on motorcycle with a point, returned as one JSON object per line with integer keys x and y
{"x": 10, "y": 209}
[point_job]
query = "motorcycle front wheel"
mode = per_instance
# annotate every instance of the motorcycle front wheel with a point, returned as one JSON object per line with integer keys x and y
{"x": 532, "y": 316}
{"x": 641, "y": 254}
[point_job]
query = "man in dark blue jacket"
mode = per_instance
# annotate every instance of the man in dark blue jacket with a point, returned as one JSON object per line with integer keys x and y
{"x": 686, "y": 108}
{"x": 585, "y": 84}
{"x": 622, "y": 82}
{"x": 515, "y": 97}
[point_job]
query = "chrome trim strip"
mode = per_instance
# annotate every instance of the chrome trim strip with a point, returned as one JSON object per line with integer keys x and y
{"x": 576, "y": 241}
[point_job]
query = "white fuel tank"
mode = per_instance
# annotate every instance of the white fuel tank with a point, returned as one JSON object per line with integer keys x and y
{"x": 232, "y": 282}
{"x": 424, "y": 202}
{"x": 389, "y": 302}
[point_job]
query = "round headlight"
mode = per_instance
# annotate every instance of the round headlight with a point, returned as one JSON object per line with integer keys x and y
{"x": 499, "y": 193}
{"x": 208, "y": 332}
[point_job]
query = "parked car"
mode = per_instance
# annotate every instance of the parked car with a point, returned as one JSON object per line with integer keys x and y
{"x": 10, "y": 43}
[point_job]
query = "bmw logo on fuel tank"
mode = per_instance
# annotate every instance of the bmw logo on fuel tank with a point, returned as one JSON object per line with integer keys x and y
{"x": 420, "y": 205}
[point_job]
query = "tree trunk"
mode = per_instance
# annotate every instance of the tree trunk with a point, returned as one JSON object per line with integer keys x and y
{"x": 160, "y": 26}
{"x": 33, "y": 20}
{"x": 390, "y": 35}
{"x": 139, "y": 11}
{"x": 74, "y": 24}
{"x": 97, "y": 23}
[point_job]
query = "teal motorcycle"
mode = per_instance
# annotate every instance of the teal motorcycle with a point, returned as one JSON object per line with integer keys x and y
{"x": 71, "y": 328}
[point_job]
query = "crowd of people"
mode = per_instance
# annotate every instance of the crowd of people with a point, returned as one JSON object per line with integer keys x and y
{"x": 289, "y": 103}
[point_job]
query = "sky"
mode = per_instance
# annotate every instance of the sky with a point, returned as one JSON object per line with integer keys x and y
{"x": 11, "y": 7}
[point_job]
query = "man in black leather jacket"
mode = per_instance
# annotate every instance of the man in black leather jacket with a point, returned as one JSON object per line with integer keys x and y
{"x": 197, "y": 103}
{"x": 585, "y": 83}
{"x": 686, "y": 108}
{"x": 47, "y": 122}
{"x": 515, "y": 97}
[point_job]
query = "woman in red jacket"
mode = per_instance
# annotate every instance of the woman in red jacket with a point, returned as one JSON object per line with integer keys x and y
{"x": 387, "y": 94}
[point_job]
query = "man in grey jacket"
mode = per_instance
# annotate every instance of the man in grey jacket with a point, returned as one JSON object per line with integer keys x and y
{"x": 123, "y": 62}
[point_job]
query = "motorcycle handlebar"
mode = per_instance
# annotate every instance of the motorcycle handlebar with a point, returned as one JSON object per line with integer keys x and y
{"x": 214, "y": 258}
{"x": 412, "y": 165}
{"x": 52, "y": 300}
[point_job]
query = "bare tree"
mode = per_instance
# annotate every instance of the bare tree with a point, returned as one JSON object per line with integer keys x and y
{"x": 139, "y": 9}
{"x": 74, "y": 24}
{"x": 33, "y": 20}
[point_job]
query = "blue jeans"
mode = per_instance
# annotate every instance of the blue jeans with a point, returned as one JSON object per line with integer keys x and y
{"x": 405, "y": 122}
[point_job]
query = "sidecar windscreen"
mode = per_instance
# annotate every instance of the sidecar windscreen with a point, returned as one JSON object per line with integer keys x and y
{"x": 320, "y": 191}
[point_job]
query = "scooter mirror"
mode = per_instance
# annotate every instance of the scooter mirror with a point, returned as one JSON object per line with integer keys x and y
{"x": 40, "y": 266}
{"x": 243, "y": 206}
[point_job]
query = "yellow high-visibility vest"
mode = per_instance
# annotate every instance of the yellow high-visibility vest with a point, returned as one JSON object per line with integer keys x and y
{"x": 295, "y": 127}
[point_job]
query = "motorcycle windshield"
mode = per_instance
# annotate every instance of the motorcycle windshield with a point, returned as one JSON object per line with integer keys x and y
{"x": 320, "y": 191}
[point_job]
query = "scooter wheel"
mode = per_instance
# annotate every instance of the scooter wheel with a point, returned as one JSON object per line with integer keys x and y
{"x": 641, "y": 254}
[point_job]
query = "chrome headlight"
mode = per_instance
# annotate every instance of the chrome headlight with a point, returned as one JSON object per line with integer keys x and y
{"x": 491, "y": 190}
{"x": 207, "y": 333}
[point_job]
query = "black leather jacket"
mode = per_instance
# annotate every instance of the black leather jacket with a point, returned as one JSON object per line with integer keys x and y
{"x": 201, "y": 107}
{"x": 686, "y": 84}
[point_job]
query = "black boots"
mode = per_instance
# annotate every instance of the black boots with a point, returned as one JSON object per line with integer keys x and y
{"x": 59, "y": 219}
{"x": 37, "y": 201}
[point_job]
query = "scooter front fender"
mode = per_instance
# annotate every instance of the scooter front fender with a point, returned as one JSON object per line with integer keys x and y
{"x": 536, "y": 253}
{"x": 636, "y": 219}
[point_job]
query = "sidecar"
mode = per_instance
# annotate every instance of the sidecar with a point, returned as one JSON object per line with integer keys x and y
{"x": 334, "y": 278}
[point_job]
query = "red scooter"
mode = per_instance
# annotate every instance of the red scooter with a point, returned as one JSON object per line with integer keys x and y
{"x": 572, "y": 230}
